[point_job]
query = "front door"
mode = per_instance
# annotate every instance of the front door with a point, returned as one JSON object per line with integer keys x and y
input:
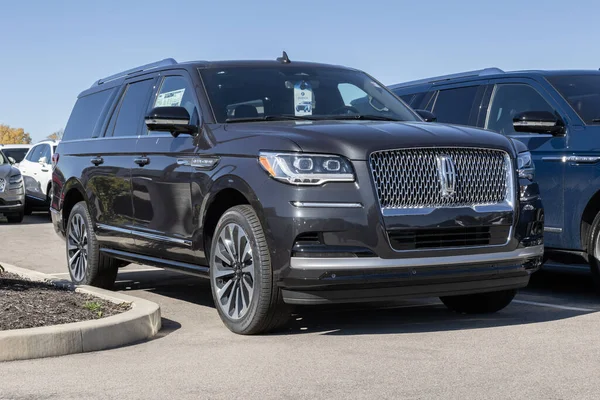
{"x": 515, "y": 96}
{"x": 35, "y": 169}
{"x": 161, "y": 179}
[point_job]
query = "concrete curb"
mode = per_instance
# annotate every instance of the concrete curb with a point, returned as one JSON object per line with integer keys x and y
{"x": 141, "y": 322}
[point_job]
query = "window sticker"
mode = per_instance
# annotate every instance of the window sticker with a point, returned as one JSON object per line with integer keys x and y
{"x": 170, "y": 99}
{"x": 303, "y": 98}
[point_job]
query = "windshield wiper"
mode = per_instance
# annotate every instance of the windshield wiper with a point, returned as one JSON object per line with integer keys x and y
{"x": 596, "y": 120}
{"x": 364, "y": 117}
{"x": 270, "y": 118}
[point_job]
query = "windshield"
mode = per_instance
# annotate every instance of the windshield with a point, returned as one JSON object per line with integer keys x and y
{"x": 263, "y": 93}
{"x": 17, "y": 154}
{"x": 583, "y": 94}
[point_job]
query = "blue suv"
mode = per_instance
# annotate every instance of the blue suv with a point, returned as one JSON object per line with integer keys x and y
{"x": 556, "y": 114}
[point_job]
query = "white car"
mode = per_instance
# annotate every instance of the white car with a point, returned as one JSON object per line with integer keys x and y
{"x": 36, "y": 169}
{"x": 15, "y": 152}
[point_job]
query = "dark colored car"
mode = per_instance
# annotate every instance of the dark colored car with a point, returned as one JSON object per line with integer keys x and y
{"x": 12, "y": 194}
{"x": 276, "y": 209}
{"x": 557, "y": 115}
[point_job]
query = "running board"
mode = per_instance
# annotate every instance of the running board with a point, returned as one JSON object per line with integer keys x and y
{"x": 191, "y": 269}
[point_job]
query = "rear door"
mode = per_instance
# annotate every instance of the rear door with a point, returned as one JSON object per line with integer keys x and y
{"x": 161, "y": 178}
{"x": 110, "y": 161}
{"x": 514, "y": 95}
{"x": 457, "y": 103}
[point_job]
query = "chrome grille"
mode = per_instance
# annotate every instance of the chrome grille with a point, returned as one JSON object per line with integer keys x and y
{"x": 410, "y": 178}
{"x": 2, "y": 185}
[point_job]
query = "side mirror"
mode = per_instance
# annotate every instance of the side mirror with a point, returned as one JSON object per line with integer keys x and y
{"x": 43, "y": 161}
{"x": 426, "y": 115}
{"x": 538, "y": 122}
{"x": 12, "y": 160}
{"x": 175, "y": 120}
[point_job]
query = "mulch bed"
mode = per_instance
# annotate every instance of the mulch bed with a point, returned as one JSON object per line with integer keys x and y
{"x": 29, "y": 304}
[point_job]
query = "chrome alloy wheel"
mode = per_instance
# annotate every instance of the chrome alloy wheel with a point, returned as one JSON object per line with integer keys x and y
{"x": 77, "y": 248}
{"x": 233, "y": 275}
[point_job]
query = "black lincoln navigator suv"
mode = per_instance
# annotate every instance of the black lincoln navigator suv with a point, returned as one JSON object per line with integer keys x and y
{"x": 220, "y": 169}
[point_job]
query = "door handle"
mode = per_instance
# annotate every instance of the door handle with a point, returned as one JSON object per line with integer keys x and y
{"x": 44, "y": 170}
{"x": 97, "y": 161}
{"x": 141, "y": 161}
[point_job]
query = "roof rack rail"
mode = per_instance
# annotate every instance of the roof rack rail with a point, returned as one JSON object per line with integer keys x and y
{"x": 157, "y": 64}
{"x": 478, "y": 72}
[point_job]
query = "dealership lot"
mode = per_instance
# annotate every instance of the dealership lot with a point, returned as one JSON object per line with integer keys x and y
{"x": 541, "y": 346}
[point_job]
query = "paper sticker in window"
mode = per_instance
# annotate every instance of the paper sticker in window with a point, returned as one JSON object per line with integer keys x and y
{"x": 303, "y": 98}
{"x": 170, "y": 99}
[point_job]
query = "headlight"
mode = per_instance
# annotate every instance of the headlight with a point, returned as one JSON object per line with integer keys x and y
{"x": 15, "y": 179}
{"x": 525, "y": 165}
{"x": 306, "y": 169}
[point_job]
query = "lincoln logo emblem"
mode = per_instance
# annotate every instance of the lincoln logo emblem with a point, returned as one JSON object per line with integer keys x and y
{"x": 447, "y": 175}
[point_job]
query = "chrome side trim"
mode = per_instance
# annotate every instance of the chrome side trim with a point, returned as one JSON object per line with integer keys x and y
{"x": 577, "y": 159}
{"x": 145, "y": 235}
{"x": 500, "y": 207}
{"x": 376, "y": 262}
{"x": 318, "y": 204}
{"x": 552, "y": 229}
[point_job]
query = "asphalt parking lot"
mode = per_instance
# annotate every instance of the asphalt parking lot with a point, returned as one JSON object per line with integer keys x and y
{"x": 541, "y": 346}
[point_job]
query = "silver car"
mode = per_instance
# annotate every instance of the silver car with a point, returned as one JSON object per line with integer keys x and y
{"x": 12, "y": 194}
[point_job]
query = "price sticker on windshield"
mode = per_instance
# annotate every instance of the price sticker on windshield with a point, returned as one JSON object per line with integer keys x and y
{"x": 303, "y": 98}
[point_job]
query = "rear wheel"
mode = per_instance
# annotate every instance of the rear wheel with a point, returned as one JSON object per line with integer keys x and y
{"x": 16, "y": 218}
{"x": 593, "y": 251}
{"x": 480, "y": 303}
{"x": 245, "y": 294}
{"x": 87, "y": 266}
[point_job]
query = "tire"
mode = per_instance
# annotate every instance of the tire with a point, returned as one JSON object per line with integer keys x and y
{"x": 86, "y": 265}
{"x": 593, "y": 252}
{"x": 245, "y": 294}
{"x": 479, "y": 303}
{"x": 16, "y": 218}
{"x": 28, "y": 209}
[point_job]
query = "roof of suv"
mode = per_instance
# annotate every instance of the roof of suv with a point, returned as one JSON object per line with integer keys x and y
{"x": 492, "y": 72}
{"x": 169, "y": 63}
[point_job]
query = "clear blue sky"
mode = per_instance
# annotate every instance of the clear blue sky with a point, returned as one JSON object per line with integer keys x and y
{"x": 51, "y": 50}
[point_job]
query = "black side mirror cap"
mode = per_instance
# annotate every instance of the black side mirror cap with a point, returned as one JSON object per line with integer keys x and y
{"x": 426, "y": 115}
{"x": 175, "y": 120}
{"x": 538, "y": 122}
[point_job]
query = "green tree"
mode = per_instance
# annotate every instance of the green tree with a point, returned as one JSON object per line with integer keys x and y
{"x": 10, "y": 135}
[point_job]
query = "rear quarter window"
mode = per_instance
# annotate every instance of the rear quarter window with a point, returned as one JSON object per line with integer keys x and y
{"x": 86, "y": 115}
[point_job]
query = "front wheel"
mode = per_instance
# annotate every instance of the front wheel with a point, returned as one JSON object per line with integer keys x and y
{"x": 16, "y": 218}
{"x": 246, "y": 297}
{"x": 87, "y": 266}
{"x": 479, "y": 303}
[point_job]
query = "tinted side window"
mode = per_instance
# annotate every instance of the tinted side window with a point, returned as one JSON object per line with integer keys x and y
{"x": 132, "y": 107}
{"x": 85, "y": 115}
{"x": 35, "y": 154}
{"x": 453, "y": 106}
{"x": 510, "y": 99}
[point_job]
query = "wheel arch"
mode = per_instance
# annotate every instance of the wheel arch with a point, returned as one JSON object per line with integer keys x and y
{"x": 72, "y": 193}
{"x": 228, "y": 191}
{"x": 592, "y": 208}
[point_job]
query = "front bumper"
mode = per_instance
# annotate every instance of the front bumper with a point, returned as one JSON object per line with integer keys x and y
{"x": 12, "y": 200}
{"x": 333, "y": 244}
{"x": 343, "y": 280}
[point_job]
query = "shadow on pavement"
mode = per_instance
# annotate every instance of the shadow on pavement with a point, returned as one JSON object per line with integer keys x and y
{"x": 33, "y": 219}
{"x": 411, "y": 316}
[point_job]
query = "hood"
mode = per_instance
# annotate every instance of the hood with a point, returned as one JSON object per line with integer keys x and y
{"x": 7, "y": 170}
{"x": 357, "y": 139}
